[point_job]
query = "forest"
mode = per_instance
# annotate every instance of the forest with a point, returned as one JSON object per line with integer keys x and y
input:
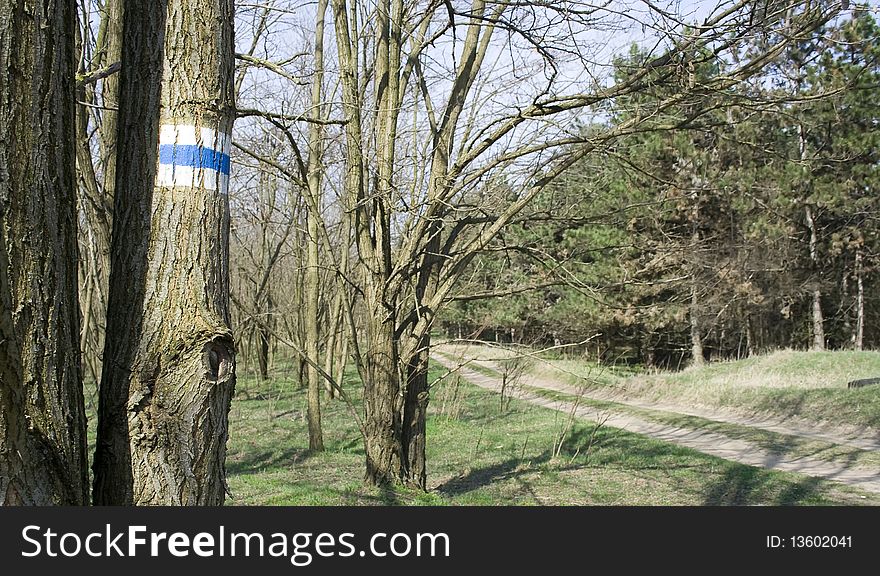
{"x": 200, "y": 193}
{"x": 750, "y": 228}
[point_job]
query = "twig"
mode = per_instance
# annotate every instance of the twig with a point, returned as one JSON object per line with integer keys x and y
{"x": 246, "y": 112}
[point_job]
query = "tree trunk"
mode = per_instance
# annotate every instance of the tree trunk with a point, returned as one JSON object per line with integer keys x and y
{"x": 818, "y": 325}
{"x": 696, "y": 331}
{"x": 94, "y": 205}
{"x": 42, "y": 415}
{"x": 263, "y": 352}
{"x": 379, "y": 364}
{"x": 176, "y": 363}
{"x": 110, "y": 93}
{"x": 316, "y": 438}
{"x": 140, "y": 88}
{"x": 340, "y": 358}
{"x": 415, "y": 410}
{"x": 15, "y": 488}
{"x": 817, "y": 322}
{"x": 331, "y": 350}
{"x": 382, "y": 425}
{"x": 343, "y": 320}
{"x": 313, "y": 293}
{"x": 860, "y": 303}
{"x": 751, "y": 349}
{"x": 96, "y": 200}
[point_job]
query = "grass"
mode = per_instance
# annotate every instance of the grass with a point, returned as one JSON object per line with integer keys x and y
{"x": 484, "y": 456}
{"x": 785, "y": 384}
{"x": 478, "y": 455}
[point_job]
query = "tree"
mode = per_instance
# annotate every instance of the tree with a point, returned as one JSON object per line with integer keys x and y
{"x": 99, "y": 56}
{"x": 42, "y": 415}
{"x": 169, "y": 370}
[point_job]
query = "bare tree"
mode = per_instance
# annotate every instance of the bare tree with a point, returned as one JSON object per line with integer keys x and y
{"x": 97, "y": 94}
{"x": 316, "y": 438}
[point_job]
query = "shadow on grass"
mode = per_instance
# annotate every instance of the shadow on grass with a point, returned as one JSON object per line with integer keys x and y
{"x": 513, "y": 468}
{"x": 743, "y": 485}
{"x": 481, "y": 477}
{"x": 388, "y": 496}
{"x": 253, "y": 462}
{"x": 737, "y": 484}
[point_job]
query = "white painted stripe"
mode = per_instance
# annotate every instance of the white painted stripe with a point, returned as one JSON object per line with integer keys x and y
{"x": 169, "y": 176}
{"x": 185, "y": 135}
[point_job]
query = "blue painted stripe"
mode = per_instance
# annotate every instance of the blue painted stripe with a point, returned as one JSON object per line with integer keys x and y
{"x": 195, "y": 156}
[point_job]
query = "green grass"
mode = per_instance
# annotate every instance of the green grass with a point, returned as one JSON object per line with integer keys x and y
{"x": 785, "y": 384}
{"x": 484, "y": 456}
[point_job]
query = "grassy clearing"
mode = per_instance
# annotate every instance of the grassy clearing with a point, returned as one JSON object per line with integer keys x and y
{"x": 479, "y": 455}
{"x": 785, "y": 384}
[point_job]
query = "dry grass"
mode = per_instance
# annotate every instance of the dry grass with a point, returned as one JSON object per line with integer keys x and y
{"x": 811, "y": 386}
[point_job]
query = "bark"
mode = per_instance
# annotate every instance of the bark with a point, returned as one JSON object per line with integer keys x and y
{"x": 415, "y": 411}
{"x": 316, "y": 438}
{"x": 340, "y": 358}
{"x": 750, "y": 337}
{"x": 110, "y": 92}
{"x": 42, "y": 416}
{"x": 14, "y": 486}
{"x": 383, "y": 414}
{"x": 418, "y": 321}
{"x": 94, "y": 204}
{"x": 263, "y": 302}
{"x": 103, "y": 205}
{"x": 336, "y": 351}
{"x": 140, "y": 85}
{"x": 172, "y": 368}
{"x": 817, "y": 321}
{"x": 428, "y": 291}
{"x": 382, "y": 425}
{"x": 379, "y": 362}
{"x": 345, "y": 315}
{"x": 331, "y": 350}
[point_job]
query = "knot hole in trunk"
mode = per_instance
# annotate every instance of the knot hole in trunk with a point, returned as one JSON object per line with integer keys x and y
{"x": 217, "y": 360}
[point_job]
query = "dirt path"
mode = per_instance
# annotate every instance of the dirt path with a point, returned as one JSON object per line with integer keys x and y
{"x": 789, "y": 427}
{"x": 707, "y": 442}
